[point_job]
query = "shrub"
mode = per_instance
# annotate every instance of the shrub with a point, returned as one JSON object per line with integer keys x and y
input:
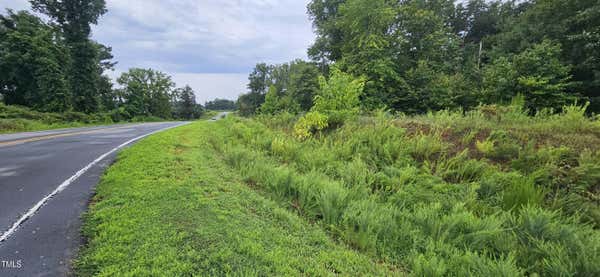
{"x": 310, "y": 124}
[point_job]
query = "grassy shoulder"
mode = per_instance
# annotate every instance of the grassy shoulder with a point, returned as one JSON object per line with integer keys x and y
{"x": 171, "y": 206}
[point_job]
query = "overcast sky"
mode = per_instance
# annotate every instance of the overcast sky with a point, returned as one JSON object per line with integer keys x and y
{"x": 211, "y": 45}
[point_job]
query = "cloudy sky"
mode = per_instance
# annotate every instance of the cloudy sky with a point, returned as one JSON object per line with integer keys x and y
{"x": 211, "y": 45}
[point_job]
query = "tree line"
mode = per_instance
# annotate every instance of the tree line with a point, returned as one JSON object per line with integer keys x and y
{"x": 422, "y": 55}
{"x": 55, "y": 66}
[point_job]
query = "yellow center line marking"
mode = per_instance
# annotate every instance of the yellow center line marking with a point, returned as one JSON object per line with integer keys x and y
{"x": 22, "y": 141}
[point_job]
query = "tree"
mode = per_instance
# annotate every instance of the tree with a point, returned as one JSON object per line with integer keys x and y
{"x": 146, "y": 92}
{"x": 75, "y": 17}
{"x": 32, "y": 58}
{"x": 248, "y": 104}
{"x": 574, "y": 24}
{"x": 259, "y": 79}
{"x": 327, "y": 46}
{"x": 303, "y": 83}
{"x": 537, "y": 73}
{"x": 291, "y": 87}
{"x": 339, "y": 97}
{"x": 185, "y": 106}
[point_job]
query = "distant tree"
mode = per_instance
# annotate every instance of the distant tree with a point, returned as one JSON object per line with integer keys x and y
{"x": 292, "y": 87}
{"x": 32, "y": 59}
{"x": 75, "y": 17}
{"x": 220, "y": 105}
{"x": 303, "y": 83}
{"x": 146, "y": 92}
{"x": 184, "y": 104}
{"x": 259, "y": 79}
{"x": 248, "y": 104}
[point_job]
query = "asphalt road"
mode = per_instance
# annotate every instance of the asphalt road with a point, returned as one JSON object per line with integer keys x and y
{"x": 37, "y": 170}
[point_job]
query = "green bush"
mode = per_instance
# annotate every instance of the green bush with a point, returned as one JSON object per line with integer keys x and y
{"x": 310, "y": 124}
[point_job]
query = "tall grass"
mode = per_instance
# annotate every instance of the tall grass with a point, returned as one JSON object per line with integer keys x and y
{"x": 414, "y": 192}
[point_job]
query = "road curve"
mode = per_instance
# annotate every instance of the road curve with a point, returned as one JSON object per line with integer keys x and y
{"x": 46, "y": 181}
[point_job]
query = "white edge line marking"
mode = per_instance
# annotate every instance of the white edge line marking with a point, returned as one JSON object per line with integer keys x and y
{"x": 68, "y": 182}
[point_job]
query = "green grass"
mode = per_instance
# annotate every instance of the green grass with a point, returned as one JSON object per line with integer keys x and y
{"x": 170, "y": 206}
{"x": 491, "y": 192}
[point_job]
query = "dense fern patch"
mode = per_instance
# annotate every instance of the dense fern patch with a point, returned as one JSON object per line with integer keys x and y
{"x": 450, "y": 193}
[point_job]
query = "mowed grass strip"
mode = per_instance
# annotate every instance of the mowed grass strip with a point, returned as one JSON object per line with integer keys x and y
{"x": 170, "y": 207}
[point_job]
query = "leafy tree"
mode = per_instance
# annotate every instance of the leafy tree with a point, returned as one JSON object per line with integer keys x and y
{"x": 272, "y": 104}
{"x": 574, "y": 24}
{"x": 75, "y": 17}
{"x": 339, "y": 97}
{"x": 259, "y": 79}
{"x": 185, "y": 106}
{"x": 303, "y": 83}
{"x": 248, "y": 104}
{"x": 327, "y": 47}
{"x": 146, "y": 92}
{"x": 32, "y": 56}
{"x": 536, "y": 73}
{"x": 291, "y": 87}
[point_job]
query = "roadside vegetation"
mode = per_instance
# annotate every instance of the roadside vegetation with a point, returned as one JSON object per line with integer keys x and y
{"x": 490, "y": 192}
{"x": 182, "y": 211}
{"x": 21, "y": 119}
{"x": 425, "y": 138}
{"x": 493, "y": 192}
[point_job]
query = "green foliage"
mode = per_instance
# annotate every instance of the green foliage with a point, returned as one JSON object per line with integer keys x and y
{"x": 431, "y": 55}
{"x": 339, "y": 96}
{"x": 211, "y": 222}
{"x": 499, "y": 146}
{"x": 537, "y": 73}
{"x": 220, "y": 105}
{"x": 309, "y": 124}
{"x": 418, "y": 198}
{"x": 32, "y": 64}
{"x": 21, "y": 119}
{"x": 84, "y": 69}
{"x": 520, "y": 193}
{"x": 54, "y": 66}
{"x": 184, "y": 104}
{"x": 146, "y": 92}
{"x": 288, "y": 87}
{"x": 427, "y": 147}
